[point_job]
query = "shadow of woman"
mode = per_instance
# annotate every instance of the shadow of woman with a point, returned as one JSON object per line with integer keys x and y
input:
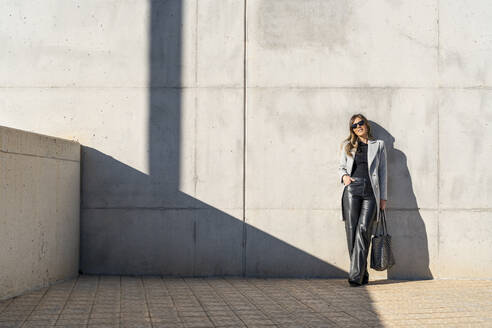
{"x": 404, "y": 221}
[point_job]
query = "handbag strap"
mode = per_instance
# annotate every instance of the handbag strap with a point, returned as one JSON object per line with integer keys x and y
{"x": 382, "y": 222}
{"x": 383, "y": 217}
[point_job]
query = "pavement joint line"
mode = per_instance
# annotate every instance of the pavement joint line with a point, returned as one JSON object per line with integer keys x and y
{"x": 94, "y": 299}
{"x": 172, "y": 298}
{"x": 146, "y": 300}
{"x": 8, "y": 301}
{"x": 246, "y": 298}
{"x": 121, "y": 301}
{"x": 343, "y": 312}
{"x": 67, "y": 299}
{"x": 247, "y": 281}
{"x": 308, "y": 283}
{"x": 197, "y": 298}
{"x": 225, "y": 300}
{"x": 34, "y": 308}
{"x": 251, "y": 282}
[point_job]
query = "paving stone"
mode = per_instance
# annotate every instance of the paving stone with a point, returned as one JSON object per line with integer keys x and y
{"x": 167, "y": 325}
{"x": 10, "y": 324}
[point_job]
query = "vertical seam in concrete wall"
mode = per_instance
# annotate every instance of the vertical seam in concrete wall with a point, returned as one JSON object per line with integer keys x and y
{"x": 194, "y": 244}
{"x": 196, "y": 43}
{"x": 244, "y": 140}
{"x": 438, "y": 140}
{"x": 438, "y": 50}
{"x": 195, "y": 105}
{"x": 81, "y": 202}
{"x": 195, "y": 176}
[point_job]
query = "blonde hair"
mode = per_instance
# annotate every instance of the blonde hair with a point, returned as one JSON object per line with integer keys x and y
{"x": 352, "y": 141}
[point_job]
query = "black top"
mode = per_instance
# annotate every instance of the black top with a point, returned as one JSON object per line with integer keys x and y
{"x": 359, "y": 168}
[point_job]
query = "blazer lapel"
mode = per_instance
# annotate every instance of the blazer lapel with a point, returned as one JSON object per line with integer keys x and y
{"x": 350, "y": 161}
{"x": 372, "y": 149}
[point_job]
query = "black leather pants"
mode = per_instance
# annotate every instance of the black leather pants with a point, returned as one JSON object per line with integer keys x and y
{"x": 359, "y": 206}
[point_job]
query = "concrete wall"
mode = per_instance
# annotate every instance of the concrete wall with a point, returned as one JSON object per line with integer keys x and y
{"x": 211, "y": 128}
{"x": 39, "y": 210}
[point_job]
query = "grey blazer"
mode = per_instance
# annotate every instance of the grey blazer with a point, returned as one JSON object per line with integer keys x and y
{"x": 378, "y": 172}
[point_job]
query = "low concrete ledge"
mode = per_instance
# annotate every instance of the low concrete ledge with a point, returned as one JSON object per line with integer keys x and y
{"x": 39, "y": 210}
{"x": 21, "y": 142}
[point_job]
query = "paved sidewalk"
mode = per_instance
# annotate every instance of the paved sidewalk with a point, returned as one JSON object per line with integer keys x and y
{"x": 152, "y": 301}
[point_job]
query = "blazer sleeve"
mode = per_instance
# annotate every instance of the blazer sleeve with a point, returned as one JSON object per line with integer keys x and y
{"x": 342, "y": 165}
{"x": 383, "y": 172}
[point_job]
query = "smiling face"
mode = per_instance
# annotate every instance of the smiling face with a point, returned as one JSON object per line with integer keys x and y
{"x": 360, "y": 131}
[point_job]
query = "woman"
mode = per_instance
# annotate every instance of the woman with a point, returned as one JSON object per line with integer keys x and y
{"x": 363, "y": 173}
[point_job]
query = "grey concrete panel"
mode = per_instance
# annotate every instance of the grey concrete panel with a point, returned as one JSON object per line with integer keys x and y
{"x": 303, "y": 128}
{"x": 295, "y": 242}
{"x": 342, "y": 43}
{"x": 465, "y": 144}
{"x": 94, "y": 43}
{"x": 220, "y": 42}
{"x": 465, "y": 54}
{"x": 55, "y": 43}
{"x": 39, "y": 211}
{"x": 155, "y": 148}
{"x": 219, "y": 242}
{"x": 294, "y": 127}
{"x": 218, "y": 148}
{"x": 131, "y": 241}
{"x": 410, "y": 132}
{"x": 465, "y": 244}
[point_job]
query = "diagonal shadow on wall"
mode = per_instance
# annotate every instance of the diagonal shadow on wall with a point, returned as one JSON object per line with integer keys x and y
{"x": 134, "y": 223}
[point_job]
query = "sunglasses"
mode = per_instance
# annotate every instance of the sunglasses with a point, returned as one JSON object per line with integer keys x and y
{"x": 360, "y": 123}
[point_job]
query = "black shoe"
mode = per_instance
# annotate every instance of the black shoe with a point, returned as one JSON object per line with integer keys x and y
{"x": 353, "y": 283}
{"x": 365, "y": 281}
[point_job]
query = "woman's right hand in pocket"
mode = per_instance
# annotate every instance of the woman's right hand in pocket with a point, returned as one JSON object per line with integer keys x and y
{"x": 347, "y": 180}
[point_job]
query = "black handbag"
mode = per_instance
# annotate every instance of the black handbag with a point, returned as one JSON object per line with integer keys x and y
{"x": 381, "y": 255}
